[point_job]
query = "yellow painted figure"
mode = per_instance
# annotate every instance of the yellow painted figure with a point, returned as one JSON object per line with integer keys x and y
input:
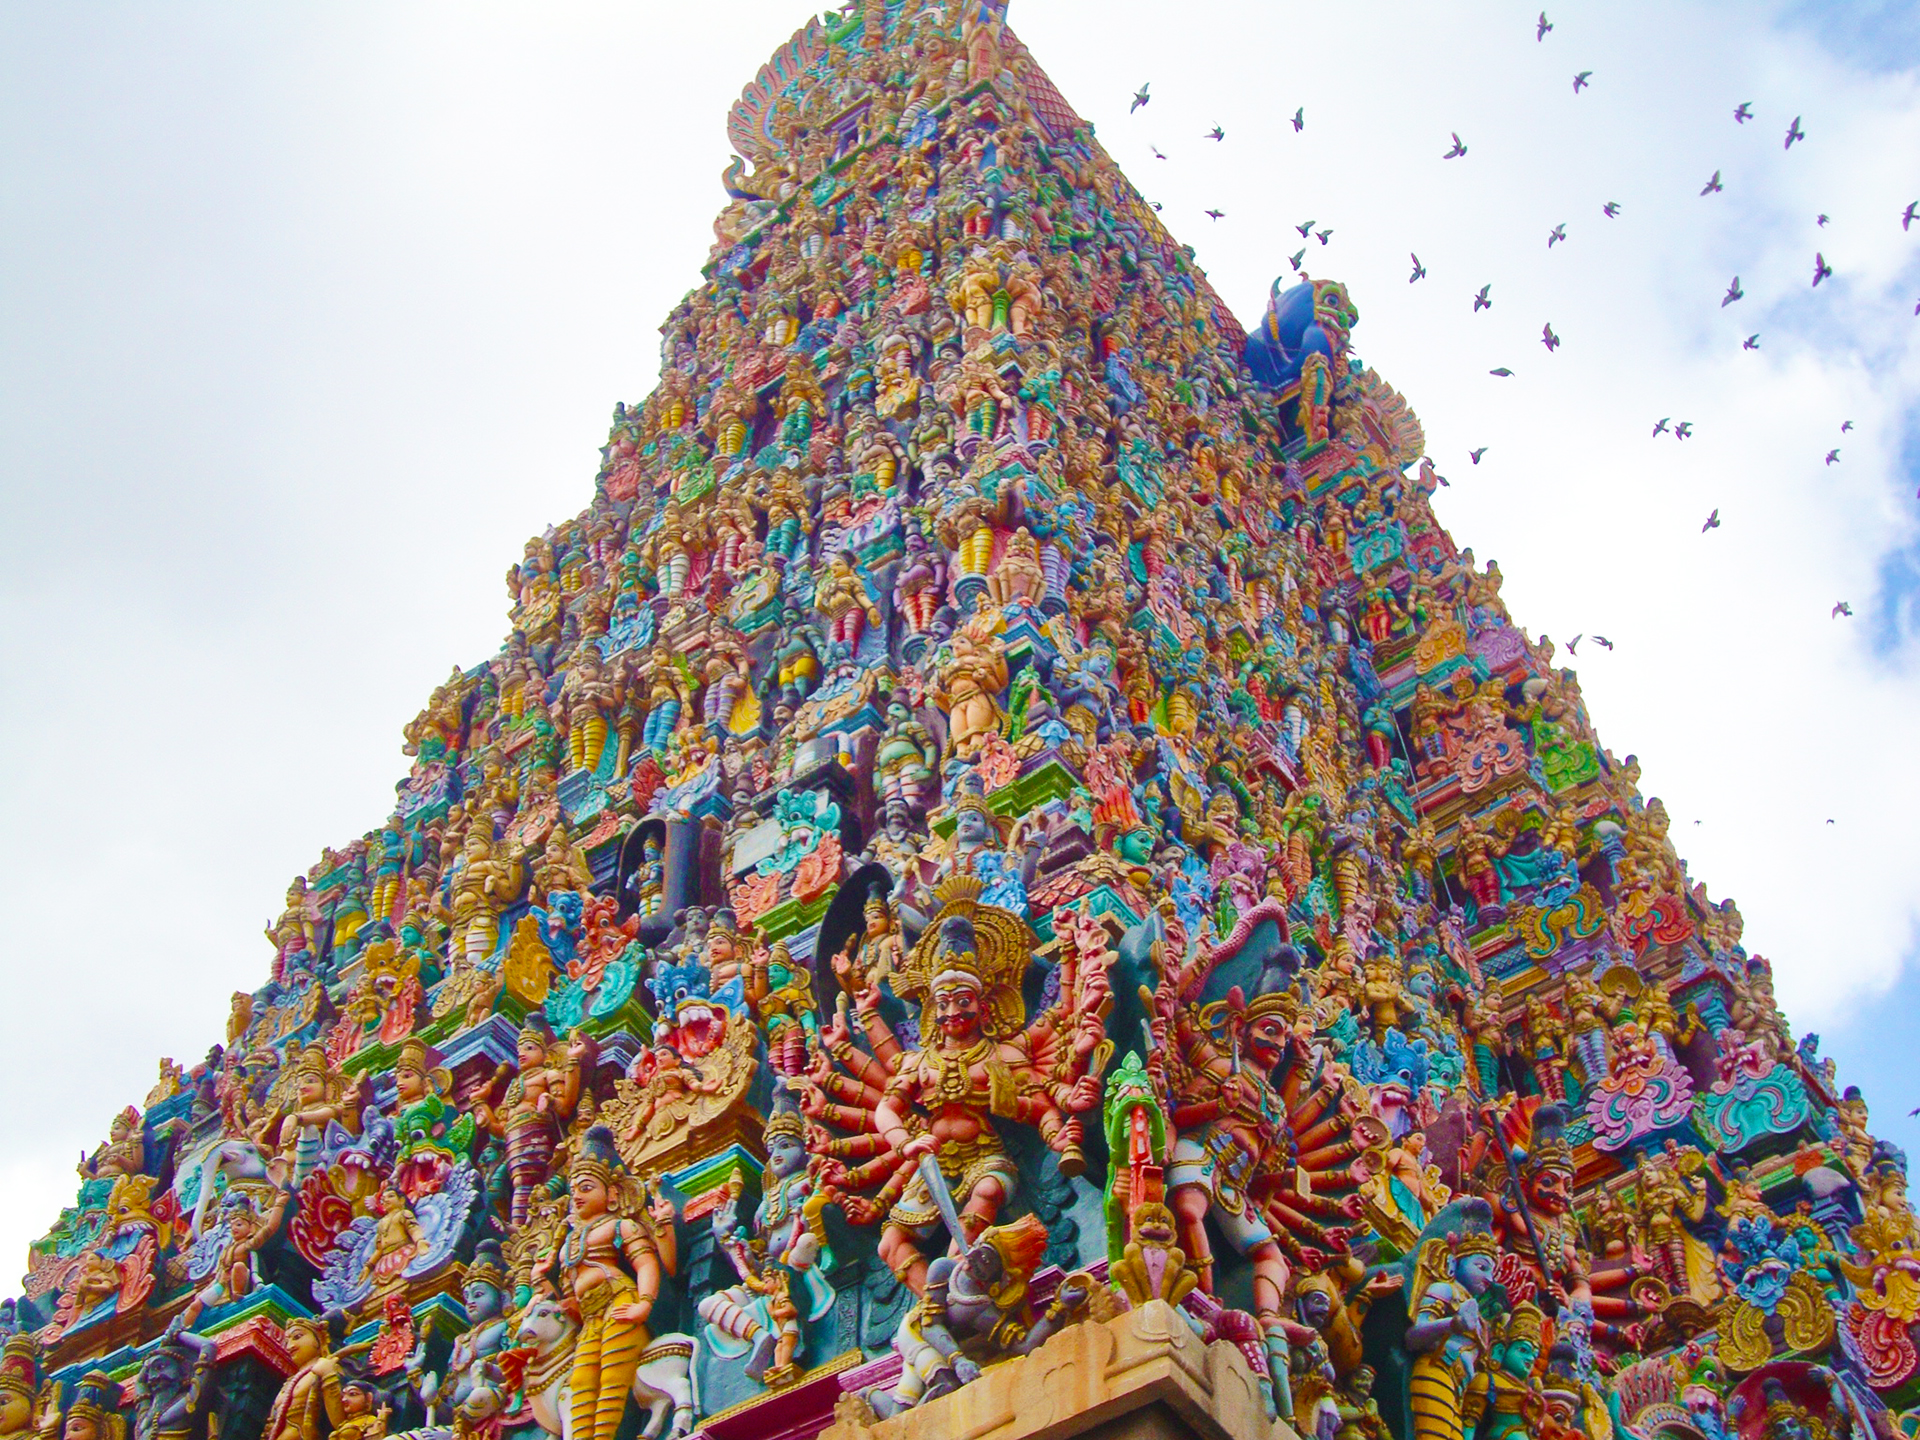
{"x": 611, "y": 1264}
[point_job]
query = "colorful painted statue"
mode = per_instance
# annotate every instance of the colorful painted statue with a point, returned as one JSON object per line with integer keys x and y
{"x": 610, "y": 1263}
{"x": 975, "y": 1310}
{"x": 782, "y": 1266}
{"x": 1446, "y": 1278}
{"x": 978, "y": 1064}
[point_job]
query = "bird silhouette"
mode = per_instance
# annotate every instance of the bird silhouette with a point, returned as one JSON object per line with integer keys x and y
{"x": 1573, "y": 645}
{"x": 1829, "y": 822}
{"x": 1214, "y": 214}
{"x": 1821, "y": 269}
{"x": 1156, "y": 152}
{"x": 1660, "y": 426}
{"x": 1845, "y": 425}
{"x": 1713, "y": 521}
{"x": 1821, "y": 221}
{"x": 1474, "y": 455}
{"x": 1480, "y": 301}
{"x": 1610, "y": 209}
{"x": 1542, "y": 26}
{"x": 1140, "y": 97}
{"x": 1580, "y": 81}
{"x": 1419, "y": 271}
{"x": 1323, "y": 235}
{"x": 1502, "y": 372}
{"x": 1906, "y": 220}
{"x": 1299, "y": 119}
{"x": 1458, "y": 149}
{"x": 1548, "y": 338}
{"x": 1216, "y": 133}
{"x": 1794, "y": 132}
{"x": 1752, "y": 342}
{"x": 1712, "y": 186}
{"x": 1743, "y": 113}
{"x": 1683, "y": 430}
{"x": 1840, "y": 608}
{"x": 1295, "y": 258}
{"x": 1157, "y": 207}
{"x": 1602, "y": 640}
{"x": 1557, "y": 234}
{"x": 1734, "y": 292}
{"x": 1833, "y": 456}
{"x": 1306, "y": 229}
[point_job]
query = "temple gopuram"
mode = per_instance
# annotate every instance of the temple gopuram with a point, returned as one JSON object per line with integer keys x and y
{"x": 1007, "y": 880}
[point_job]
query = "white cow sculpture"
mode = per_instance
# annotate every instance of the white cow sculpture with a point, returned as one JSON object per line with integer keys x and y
{"x": 663, "y": 1383}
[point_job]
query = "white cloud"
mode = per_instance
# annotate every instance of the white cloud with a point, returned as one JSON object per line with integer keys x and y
{"x": 311, "y": 318}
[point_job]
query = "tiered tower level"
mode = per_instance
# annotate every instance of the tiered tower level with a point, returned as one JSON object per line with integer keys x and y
{"x": 1006, "y": 865}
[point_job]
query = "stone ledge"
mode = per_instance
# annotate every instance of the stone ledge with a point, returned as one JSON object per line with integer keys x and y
{"x": 1143, "y": 1373}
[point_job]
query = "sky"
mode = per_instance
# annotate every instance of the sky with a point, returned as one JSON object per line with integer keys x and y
{"x": 311, "y": 315}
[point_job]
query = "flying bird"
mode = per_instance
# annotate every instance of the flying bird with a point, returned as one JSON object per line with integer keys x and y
{"x": 1557, "y": 234}
{"x": 1833, "y": 456}
{"x": 1305, "y": 229}
{"x": 1299, "y": 119}
{"x": 1542, "y": 26}
{"x": 1573, "y": 645}
{"x": 1734, "y": 292}
{"x": 1474, "y": 455}
{"x": 1548, "y": 338}
{"x": 1214, "y": 214}
{"x": 1502, "y": 372}
{"x": 1140, "y": 97}
{"x": 1821, "y": 269}
{"x": 1713, "y": 521}
{"x": 1216, "y": 133}
{"x": 1906, "y": 220}
{"x": 1845, "y": 425}
{"x": 1610, "y": 209}
{"x": 1683, "y": 430}
{"x": 1821, "y": 221}
{"x": 1156, "y": 152}
{"x": 1713, "y": 186}
{"x": 1839, "y": 609}
{"x": 1295, "y": 258}
{"x": 1743, "y": 113}
{"x": 1458, "y": 149}
{"x": 1419, "y": 271}
{"x": 1580, "y": 81}
{"x": 1156, "y": 206}
{"x": 1603, "y": 641}
{"x": 1752, "y": 342}
{"x": 1323, "y": 235}
{"x": 1480, "y": 301}
{"x": 1794, "y": 132}
{"x": 1660, "y": 427}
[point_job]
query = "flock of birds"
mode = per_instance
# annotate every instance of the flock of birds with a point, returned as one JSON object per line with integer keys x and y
{"x": 1482, "y": 300}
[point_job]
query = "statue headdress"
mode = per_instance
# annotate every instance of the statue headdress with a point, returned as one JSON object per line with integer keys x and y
{"x": 965, "y": 938}
{"x": 20, "y": 1366}
{"x": 485, "y": 1267}
{"x": 98, "y": 1401}
{"x": 784, "y": 1121}
{"x": 1021, "y": 1244}
{"x": 1547, "y": 1147}
{"x": 1525, "y": 1323}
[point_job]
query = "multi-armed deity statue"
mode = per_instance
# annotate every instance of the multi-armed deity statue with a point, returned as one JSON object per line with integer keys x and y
{"x": 1005, "y": 816}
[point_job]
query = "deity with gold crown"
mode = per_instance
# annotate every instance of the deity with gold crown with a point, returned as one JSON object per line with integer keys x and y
{"x": 977, "y": 1060}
